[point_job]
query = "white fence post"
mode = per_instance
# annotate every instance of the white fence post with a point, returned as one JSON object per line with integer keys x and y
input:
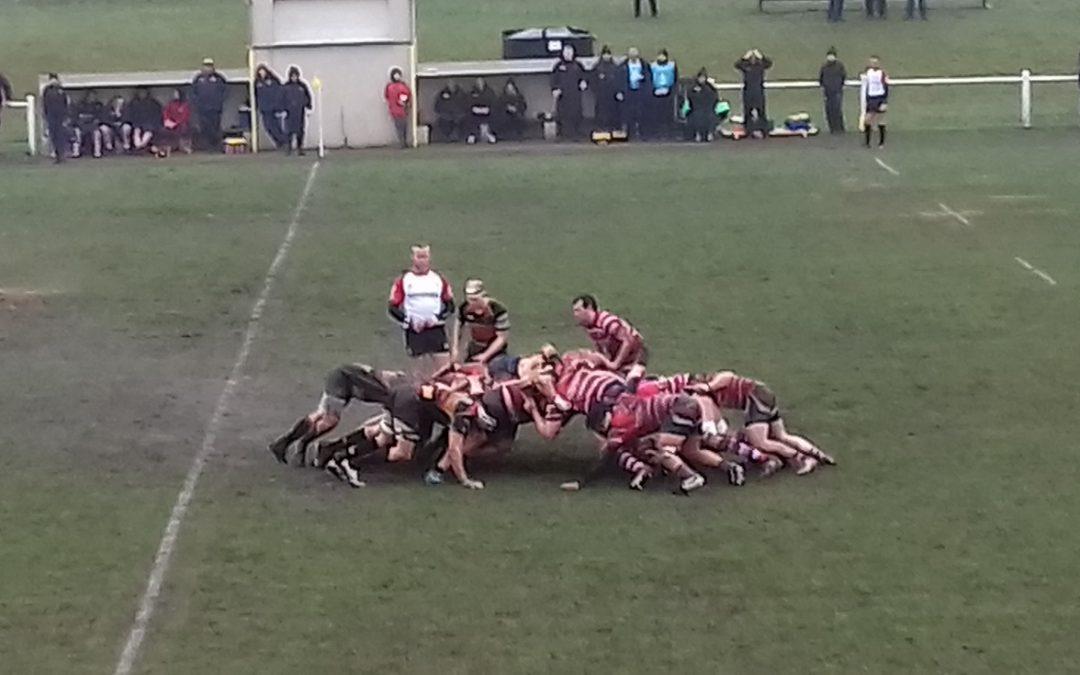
{"x": 1025, "y": 98}
{"x": 31, "y": 125}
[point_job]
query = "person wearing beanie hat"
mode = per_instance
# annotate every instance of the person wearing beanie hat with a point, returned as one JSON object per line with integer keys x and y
{"x": 607, "y": 115}
{"x": 297, "y": 99}
{"x": 398, "y": 99}
{"x": 831, "y": 79}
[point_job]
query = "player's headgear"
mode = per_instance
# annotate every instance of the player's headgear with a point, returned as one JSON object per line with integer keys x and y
{"x": 474, "y": 288}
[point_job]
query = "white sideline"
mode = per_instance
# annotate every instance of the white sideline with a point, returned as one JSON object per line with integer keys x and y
{"x": 1036, "y": 271}
{"x": 963, "y": 219}
{"x": 885, "y": 166}
{"x": 183, "y": 500}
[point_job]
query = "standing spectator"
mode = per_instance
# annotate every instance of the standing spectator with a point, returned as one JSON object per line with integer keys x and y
{"x": 836, "y": 10}
{"x": 451, "y": 109}
{"x": 512, "y": 107}
{"x": 176, "y": 125}
{"x": 831, "y": 78}
{"x": 268, "y": 99}
{"x": 115, "y": 129}
{"x": 636, "y": 80}
{"x": 5, "y": 94}
{"x": 55, "y": 104}
{"x": 568, "y": 81}
{"x": 909, "y": 13}
{"x": 144, "y": 114}
{"x": 481, "y": 103}
{"x": 398, "y": 97}
{"x": 665, "y": 74}
{"x": 702, "y": 118}
{"x": 875, "y": 7}
{"x": 753, "y": 65}
{"x": 208, "y": 93}
{"x": 89, "y": 114}
{"x": 637, "y": 8}
{"x": 420, "y": 302}
{"x": 297, "y": 100}
{"x": 1078, "y": 77}
{"x": 608, "y": 90}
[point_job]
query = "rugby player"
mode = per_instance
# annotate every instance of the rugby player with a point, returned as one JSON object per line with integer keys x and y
{"x": 354, "y": 381}
{"x": 614, "y": 338}
{"x": 488, "y": 323}
{"x": 874, "y": 100}
{"x": 420, "y": 301}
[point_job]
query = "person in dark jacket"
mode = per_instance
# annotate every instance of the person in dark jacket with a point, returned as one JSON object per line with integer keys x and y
{"x": 296, "y": 98}
{"x": 665, "y": 75}
{"x": 831, "y": 78}
{"x": 89, "y": 112}
{"x": 5, "y": 94}
{"x": 451, "y": 111}
{"x": 511, "y": 111}
{"x": 875, "y": 7}
{"x": 144, "y": 115}
{"x": 607, "y": 87}
{"x": 702, "y": 98}
{"x": 482, "y": 100}
{"x": 635, "y": 78}
{"x": 55, "y": 105}
{"x": 909, "y": 13}
{"x": 268, "y": 99}
{"x": 208, "y": 91}
{"x": 836, "y": 11}
{"x": 568, "y": 81}
{"x": 753, "y": 65}
{"x": 115, "y": 128}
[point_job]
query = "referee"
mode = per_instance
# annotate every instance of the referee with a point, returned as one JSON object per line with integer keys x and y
{"x": 420, "y": 302}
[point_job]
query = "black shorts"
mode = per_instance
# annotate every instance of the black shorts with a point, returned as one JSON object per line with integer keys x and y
{"x": 876, "y": 105}
{"x": 475, "y": 349}
{"x": 356, "y": 381}
{"x": 761, "y": 406}
{"x": 429, "y": 341}
{"x": 506, "y": 427}
{"x": 407, "y": 416}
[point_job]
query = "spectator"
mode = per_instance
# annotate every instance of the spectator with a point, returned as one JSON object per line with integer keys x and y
{"x": 836, "y": 11}
{"x": 637, "y": 8}
{"x": 753, "y": 65}
{"x": 55, "y": 104}
{"x": 176, "y": 125}
{"x": 665, "y": 75}
{"x": 831, "y": 78}
{"x": 144, "y": 114}
{"x": 115, "y": 129}
{"x": 636, "y": 78}
{"x": 268, "y": 99}
{"x": 909, "y": 14}
{"x": 208, "y": 91}
{"x": 451, "y": 109}
{"x": 875, "y": 7}
{"x": 89, "y": 114}
{"x": 512, "y": 107}
{"x": 398, "y": 97}
{"x": 702, "y": 117}
{"x": 297, "y": 100}
{"x": 568, "y": 81}
{"x": 481, "y": 102}
{"x": 608, "y": 89}
{"x": 5, "y": 94}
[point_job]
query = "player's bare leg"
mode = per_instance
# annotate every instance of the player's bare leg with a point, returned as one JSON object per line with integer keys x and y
{"x": 306, "y": 430}
{"x": 803, "y": 445}
{"x": 459, "y": 446}
{"x": 757, "y": 435}
{"x": 702, "y": 458}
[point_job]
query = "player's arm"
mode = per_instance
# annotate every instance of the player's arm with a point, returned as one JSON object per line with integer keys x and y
{"x": 455, "y": 335}
{"x": 502, "y": 336}
{"x": 396, "y": 305}
{"x": 447, "y": 301}
{"x": 547, "y": 428}
{"x": 626, "y": 348}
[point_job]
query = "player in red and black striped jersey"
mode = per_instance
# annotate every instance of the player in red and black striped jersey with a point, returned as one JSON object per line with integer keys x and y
{"x": 613, "y": 337}
{"x": 488, "y": 323}
{"x": 764, "y": 427}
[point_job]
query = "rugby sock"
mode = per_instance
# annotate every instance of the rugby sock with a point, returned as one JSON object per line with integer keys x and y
{"x": 881, "y": 132}
{"x": 868, "y": 132}
{"x": 630, "y": 464}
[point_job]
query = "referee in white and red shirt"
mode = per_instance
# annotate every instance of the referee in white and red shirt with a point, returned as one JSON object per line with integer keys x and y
{"x": 420, "y": 301}
{"x": 613, "y": 337}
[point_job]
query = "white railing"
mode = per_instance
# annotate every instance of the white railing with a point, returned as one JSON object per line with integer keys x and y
{"x": 1025, "y": 79}
{"x": 31, "y": 122}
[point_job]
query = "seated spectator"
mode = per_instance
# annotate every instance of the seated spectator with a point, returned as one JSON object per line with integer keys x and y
{"x": 115, "y": 130}
{"x": 701, "y": 120}
{"x": 665, "y": 75}
{"x": 451, "y": 111}
{"x": 481, "y": 102}
{"x": 88, "y": 115}
{"x": 175, "y": 126}
{"x": 268, "y": 98}
{"x": 512, "y": 106}
{"x": 144, "y": 116}
{"x": 398, "y": 97}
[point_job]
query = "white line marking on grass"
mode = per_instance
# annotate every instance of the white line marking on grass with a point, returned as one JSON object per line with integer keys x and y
{"x": 213, "y": 427}
{"x": 959, "y": 216}
{"x": 885, "y": 166}
{"x": 1036, "y": 271}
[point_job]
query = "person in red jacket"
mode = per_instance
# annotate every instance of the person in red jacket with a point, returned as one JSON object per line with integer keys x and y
{"x": 175, "y": 125}
{"x": 398, "y": 97}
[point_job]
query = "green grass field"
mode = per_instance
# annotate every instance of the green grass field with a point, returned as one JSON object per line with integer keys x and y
{"x": 916, "y": 348}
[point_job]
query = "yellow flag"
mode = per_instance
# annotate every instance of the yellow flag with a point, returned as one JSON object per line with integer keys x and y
{"x": 317, "y": 83}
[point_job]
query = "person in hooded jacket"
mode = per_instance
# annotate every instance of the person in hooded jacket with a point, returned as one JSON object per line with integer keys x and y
{"x": 296, "y": 99}
{"x": 665, "y": 75}
{"x": 89, "y": 113}
{"x": 568, "y": 81}
{"x": 753, "y": 65}
{"x": 701, "y": 122}
{"x": 55, "y": 106}
{"x": 831, "y": 78}
{"x": 510, "y": 121}
{"x": 270, "y": 102}
{"x": 635, "y": 79}
{"x": 607, "y": 86}
{"x": 144, "y": 114}
{"x": 398, "y": 97}
{"x": 5, "y": 94}
{"x": 451, "y": 111}
{"x": 208, "y": 91}
{"x": 482, "y": 101}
